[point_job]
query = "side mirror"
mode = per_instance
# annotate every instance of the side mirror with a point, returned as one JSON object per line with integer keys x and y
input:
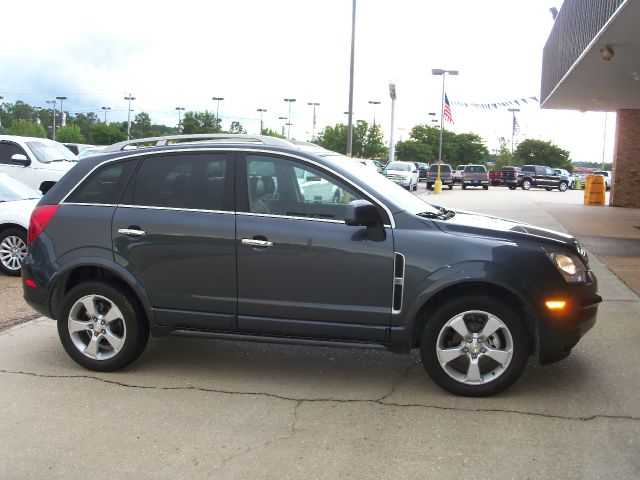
{"x": 362, "y": 213}
{"x": 20, "y": 159}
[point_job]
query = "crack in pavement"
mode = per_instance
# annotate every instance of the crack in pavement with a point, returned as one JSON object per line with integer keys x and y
{"x": 374, "y": 401}
{"x": 294, "y": 421}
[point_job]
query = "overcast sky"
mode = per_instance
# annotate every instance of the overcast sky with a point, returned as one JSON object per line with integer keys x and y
{"x": 255, "y": 53}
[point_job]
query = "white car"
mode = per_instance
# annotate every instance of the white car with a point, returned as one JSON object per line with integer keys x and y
{"x": 17, "y": 201}
{"x": 607, "y": 177}
{"x": 571, "y": 178}
{"x": 402, "y": 173}
{"x": 36, "y": 162}
{"x": 374, "y": 164}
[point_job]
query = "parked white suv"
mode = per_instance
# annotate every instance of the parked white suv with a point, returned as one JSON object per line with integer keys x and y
{"x": 607, "y": 177}
{"x": 36, "y": 162}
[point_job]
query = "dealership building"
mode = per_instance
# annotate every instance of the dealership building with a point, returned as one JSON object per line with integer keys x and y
{"x": 591, "y": 62}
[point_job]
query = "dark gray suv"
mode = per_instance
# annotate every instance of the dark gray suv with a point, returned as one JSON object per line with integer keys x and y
{"x": 251, "y": 238}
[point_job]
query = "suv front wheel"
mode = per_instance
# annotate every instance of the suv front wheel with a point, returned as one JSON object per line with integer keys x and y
{"x": 475, "y": 346}
{"x": 100, "y": 327}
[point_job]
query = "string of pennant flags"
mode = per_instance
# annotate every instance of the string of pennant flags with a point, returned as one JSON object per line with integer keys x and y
{"x": 496, "y": 105}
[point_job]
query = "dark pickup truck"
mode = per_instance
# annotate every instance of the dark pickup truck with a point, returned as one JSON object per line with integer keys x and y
{"x": 538, "y": 176}
{"x": 445, "y": 175}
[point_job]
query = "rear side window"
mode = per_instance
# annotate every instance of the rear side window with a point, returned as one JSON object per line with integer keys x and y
{"x": 7, "y": 150}
{"x": 189, "y": 181}
{"x": 105, "y": 185}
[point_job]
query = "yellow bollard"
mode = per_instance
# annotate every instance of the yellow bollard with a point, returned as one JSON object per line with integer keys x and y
{"x": 597, "y": 192}
{"x": 437, "y": 186}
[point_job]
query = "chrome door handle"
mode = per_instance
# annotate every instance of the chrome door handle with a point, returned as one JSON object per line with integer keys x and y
{"x": 257, "y": 243}
{"x": 131, "y": 232}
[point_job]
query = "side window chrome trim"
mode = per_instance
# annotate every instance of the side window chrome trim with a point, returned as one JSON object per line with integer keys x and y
{"x": 276, "y": 153}
{"x": 176, "y": 209}
{"x": 399, "y": 268}
{"x": 291, "y": 217}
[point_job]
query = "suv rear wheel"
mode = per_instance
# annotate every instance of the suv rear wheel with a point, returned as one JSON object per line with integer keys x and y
{"x": 475, "y": 346}
{"x": 563, "y": 186}
{"x": 526, "y": 184}
{"x": 13, "y": 249}
{"x": 100, "y": 327}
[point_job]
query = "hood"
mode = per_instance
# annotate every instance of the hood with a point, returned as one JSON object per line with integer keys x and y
{"x": 485, "y": 225}
{"x": 18, "y": 211}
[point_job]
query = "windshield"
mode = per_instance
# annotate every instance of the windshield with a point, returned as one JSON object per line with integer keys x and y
{"x": 47, "y": 152}
{"x": 12, "y": 190}
{"x": 388, "y": 190}
{"x": 399, "y": 166}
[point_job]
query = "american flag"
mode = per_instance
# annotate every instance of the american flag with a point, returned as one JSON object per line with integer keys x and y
{"x": 516, "y": 126}
{"x": 447, "y": 110}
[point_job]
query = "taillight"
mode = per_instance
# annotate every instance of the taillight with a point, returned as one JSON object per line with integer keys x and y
{"x": 40, "y": 218}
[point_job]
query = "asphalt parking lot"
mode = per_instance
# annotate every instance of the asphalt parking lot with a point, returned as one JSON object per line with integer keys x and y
{"x": 191, "y": 408}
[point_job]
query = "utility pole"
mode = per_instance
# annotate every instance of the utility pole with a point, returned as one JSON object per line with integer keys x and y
{"x": 513, "y": 125}
{"x": 261, "y": 110}
{"x": 313, "y": 131}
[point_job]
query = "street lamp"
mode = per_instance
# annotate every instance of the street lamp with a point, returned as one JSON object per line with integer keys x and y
{"x": 290, "y": 100}
{"x": 374, "y": 103}
{"x": 437, "y": 185}
{"x": 105, "y": 113}
{"x": 53, "y": 102}
{"x": 217, "y": 99}
{"x": 261, "y": 110}
{"x": 513, "y": 125}
{"x": 129, "y": 98}
{"x": 392, "y": 144}
{"x": 314, "y": 105}
{"x": 283, "y": 124}
{"x": 179, "y": 109}
{"x": 61, "y": 111}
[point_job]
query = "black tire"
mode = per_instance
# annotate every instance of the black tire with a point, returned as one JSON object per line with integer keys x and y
{"x": 429, "y": 186}
{"x": 486, "y": 187}
{"x": 127, "y": 328}
{"x": 511, "y": 187}
{"x": 13, "y": 248}
{"x": 548, "y": 189}
{"x": 526, "y": 184}
{"x": 438, "y": 337}
{"x": 451, "y": 186}
{"x": 563, "y": 186}
{"x": 464, "y": 187}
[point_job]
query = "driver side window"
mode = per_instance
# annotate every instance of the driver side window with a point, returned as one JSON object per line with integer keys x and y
{"x": 284, "y": 187}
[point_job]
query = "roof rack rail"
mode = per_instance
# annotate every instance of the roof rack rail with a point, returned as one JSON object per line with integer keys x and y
{"x": 197, "y": 138}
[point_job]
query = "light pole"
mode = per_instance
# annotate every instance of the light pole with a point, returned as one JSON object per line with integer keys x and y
{"x": 105, "y": 113}
{"x": 217, "y": 99}
{"x": 53, "y": 102}
{"x": 261, "y": 110}
{"x": 179, "y": 109}
{"x": 290, "y": 100}
{"x": 604, "y": 138}
{"x": 392, "y": 143}
{"x": 513, "y": 125}
{"x": 283, "y": 124}
{"x": 437, "y": 185}
{"x": 129, "y": 98}
{"x": 1, "y": 98}
{"x": 374, "y": 103}
{"x": 62, "y": 122}
{"x": 351, "y": 67}
{"x": 313, "y": 131}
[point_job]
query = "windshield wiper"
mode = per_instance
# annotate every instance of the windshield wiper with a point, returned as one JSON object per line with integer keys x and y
{"x": 443, "y": 214}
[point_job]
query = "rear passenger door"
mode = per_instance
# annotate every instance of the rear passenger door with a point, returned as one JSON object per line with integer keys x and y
{"x": 174, "y": 230}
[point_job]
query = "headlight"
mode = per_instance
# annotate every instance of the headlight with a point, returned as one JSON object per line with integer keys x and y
{"x": 570, "y": 266}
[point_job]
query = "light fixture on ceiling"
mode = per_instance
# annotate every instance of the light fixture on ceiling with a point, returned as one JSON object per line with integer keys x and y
{"x": 635, "y": 75}
{"x": 607, "y": 53}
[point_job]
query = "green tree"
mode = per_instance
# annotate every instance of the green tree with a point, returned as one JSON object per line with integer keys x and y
{"x": 26, "y": 128}
{"x": 236, "y": 127}
{"x": 200, "y": 122}
{"x": 141, "y": 125}
{"x": 541, "y": 152}
{"x": 412, "y": 151}
{"x": 503, "y": 156}
{"x": 367, "y": 141}
{"x": 83, "y": 121}
{"x": 271, "y": 133}
{"x": 101, "y": 134}
{"x": 70, "y": 134}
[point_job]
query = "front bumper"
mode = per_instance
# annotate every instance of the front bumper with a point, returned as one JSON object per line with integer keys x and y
{"x": 559, "y": 331}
